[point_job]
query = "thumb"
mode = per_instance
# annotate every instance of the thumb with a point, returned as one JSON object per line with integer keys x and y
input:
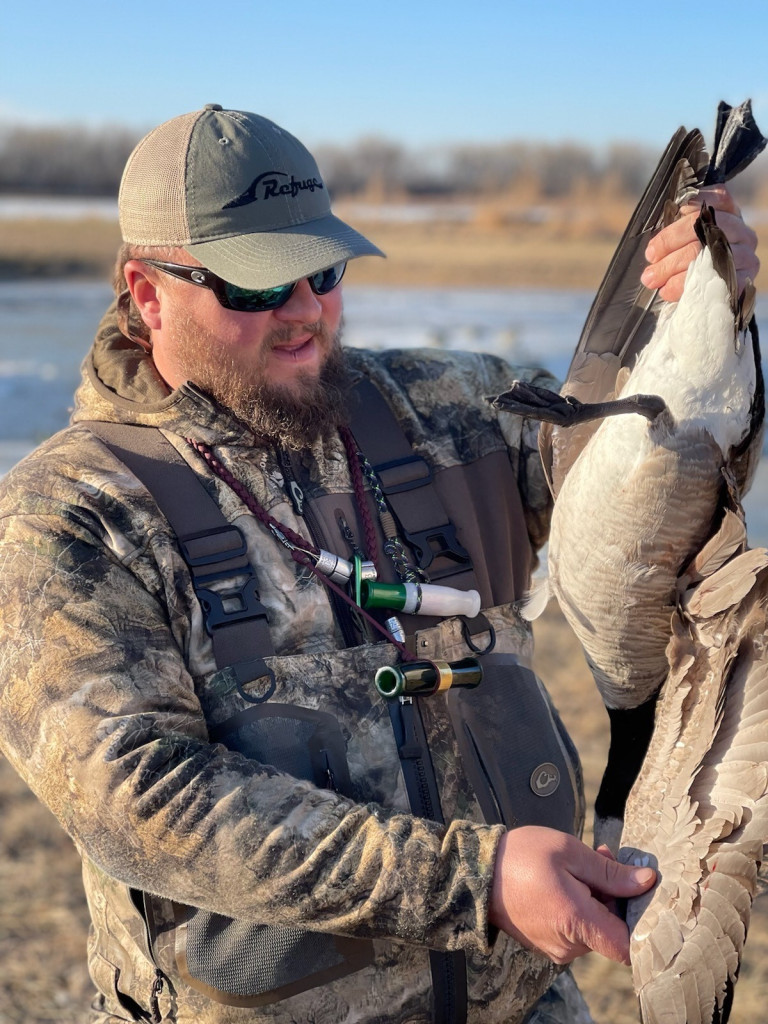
{"x": 610, "y": 878}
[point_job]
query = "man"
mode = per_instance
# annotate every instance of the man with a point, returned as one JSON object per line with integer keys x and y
{"x": 264, "y": 838}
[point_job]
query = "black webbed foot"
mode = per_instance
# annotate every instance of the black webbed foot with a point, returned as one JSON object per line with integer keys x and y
{"x": 542, "y": 404}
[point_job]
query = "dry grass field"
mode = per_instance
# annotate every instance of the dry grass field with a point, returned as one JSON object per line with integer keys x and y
{"x": 43, "y": 919}
{"x": 496, "y": 247}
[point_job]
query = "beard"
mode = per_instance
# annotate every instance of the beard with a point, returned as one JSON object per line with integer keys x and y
{"x": 294, "y": 417}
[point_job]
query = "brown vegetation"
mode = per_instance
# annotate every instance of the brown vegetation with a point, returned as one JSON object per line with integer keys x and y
{"x": 57, "y": 248}
{"x": 520, "y": 235}
{"x": 497, "y": 246}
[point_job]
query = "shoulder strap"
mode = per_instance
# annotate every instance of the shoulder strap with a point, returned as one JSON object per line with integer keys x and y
{"x": 406, "y": 480}
{"x": 214, "y": 549}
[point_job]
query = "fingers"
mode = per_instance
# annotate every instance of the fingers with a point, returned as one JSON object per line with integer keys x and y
{"x": 716, "y": 196}
{"x": 605, "y": 851}
{"x": 547, "y": 893}
{"x": 604, "y": 933}
{"x": 672, "y": 250}
{"x": 668, "y": 275}
{"x": 601, "y": 877}
{"x": 607, "y": 901}
{"x": 681, "y": 233}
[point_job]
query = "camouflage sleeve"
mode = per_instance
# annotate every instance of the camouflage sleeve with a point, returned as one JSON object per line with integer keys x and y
{"x": 99, "y": 714}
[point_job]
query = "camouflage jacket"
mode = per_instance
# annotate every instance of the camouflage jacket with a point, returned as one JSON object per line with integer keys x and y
{"x": 112, "y": 709}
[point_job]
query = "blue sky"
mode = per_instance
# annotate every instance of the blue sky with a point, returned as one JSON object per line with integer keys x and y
{"x": 416, "y": 72}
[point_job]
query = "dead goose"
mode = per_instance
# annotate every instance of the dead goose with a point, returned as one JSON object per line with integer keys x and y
{"x": 699, "y": 809}
{"x": 621, "y": 322}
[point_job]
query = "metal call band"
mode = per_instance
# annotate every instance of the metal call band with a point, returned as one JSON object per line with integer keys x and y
{"x": 339, "y": 569}
{"x": 423, "y": 678}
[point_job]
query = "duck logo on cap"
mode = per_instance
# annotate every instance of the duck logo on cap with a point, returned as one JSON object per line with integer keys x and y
{"x": 269, "y": 186}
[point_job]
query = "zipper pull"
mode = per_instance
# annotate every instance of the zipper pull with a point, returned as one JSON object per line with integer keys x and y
{"x": 296, "y": 495}
{"x": 290, "y": 482}
{"x": 154, "y": 997}
{"x": 410, "y": 749}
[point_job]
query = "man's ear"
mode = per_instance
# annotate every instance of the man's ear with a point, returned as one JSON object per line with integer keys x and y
{"x": 144, "y": 293}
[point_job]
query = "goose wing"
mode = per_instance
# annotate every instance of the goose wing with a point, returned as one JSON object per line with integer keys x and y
{"x": 698, "y": 810}
{"x": 623, "y": 315}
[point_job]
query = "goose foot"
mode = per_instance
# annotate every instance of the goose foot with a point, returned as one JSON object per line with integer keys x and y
{"x": 542, "y": 404}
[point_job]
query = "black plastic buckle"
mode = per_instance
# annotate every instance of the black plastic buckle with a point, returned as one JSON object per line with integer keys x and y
{"x": 407, "y": 485}
{"x": 198, "y": 555}
{"x": 233, "y": 605}
{"x": 467, "y": 634}
{"x": 438, "y": 542}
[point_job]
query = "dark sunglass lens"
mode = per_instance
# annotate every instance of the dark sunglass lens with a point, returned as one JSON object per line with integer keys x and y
{"x": 327, "y": 280}
{"x": 256, "y": 300}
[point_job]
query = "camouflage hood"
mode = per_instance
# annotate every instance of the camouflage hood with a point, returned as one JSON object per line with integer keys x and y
{"x": 121, "y": 385}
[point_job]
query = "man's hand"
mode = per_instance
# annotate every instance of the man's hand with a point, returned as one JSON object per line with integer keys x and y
{"x": 671, "y": 251}
{"x": 550, "y": 892}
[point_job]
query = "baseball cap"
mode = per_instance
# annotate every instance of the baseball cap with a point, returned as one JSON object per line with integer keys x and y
{"x": 240, "y": 194}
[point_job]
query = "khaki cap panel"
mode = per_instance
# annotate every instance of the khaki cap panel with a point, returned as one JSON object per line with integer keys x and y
{"x": 153, "y": 197}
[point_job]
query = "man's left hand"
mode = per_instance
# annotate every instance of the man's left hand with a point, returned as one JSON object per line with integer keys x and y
{"x": 670, "y": 252}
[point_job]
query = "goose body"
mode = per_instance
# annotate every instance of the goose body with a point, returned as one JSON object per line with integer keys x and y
{"x": 642, "y": 496}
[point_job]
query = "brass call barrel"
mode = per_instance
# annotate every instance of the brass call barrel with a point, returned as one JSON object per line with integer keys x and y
{"x": 422, "y": 678}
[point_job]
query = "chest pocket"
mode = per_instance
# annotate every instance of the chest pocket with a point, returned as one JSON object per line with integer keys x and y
{"x": 516, "y": 752}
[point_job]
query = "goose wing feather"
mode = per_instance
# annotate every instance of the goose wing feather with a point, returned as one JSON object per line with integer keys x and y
{"x": 699, "y": 807}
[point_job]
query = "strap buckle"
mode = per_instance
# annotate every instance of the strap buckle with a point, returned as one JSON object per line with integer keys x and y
{"x": 222, "y": 607}
{"x": 406, "y": 479}
{"x": 222, "y": 550}
{"x": 438, "y": 542}
{"x": 214, "y": 547}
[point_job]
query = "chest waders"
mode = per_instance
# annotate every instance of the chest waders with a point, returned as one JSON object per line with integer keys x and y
{"x": 245, "y": 964}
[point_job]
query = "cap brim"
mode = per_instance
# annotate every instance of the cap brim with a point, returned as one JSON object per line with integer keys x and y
{"x": 267, "y": 259}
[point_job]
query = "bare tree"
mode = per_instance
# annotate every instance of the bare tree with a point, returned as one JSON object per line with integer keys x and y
{"x": 78, "y": 161}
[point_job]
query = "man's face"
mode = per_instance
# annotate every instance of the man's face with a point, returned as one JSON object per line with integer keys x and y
{"x": 283, "y": 348}
{"x": 280, "y": 371}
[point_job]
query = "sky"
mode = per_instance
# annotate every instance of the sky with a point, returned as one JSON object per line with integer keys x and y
{"x": 420, "y": 73}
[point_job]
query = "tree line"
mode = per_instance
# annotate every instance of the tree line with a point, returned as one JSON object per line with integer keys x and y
{"x": 84, "y": 162}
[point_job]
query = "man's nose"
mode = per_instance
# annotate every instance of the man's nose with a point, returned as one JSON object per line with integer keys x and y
{"x": 303, "y": 304}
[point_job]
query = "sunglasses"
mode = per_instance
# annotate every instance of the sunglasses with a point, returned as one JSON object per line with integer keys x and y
{"x": 250, "y": 300}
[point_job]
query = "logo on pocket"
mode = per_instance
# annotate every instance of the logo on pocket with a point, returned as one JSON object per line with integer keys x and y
{"x": 545, "y": 779}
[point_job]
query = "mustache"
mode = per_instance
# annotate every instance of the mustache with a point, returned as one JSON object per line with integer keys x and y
{"x": 286, "y": 334}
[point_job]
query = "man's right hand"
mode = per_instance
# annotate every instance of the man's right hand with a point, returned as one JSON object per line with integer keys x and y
{"x": 550, "y": 892}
